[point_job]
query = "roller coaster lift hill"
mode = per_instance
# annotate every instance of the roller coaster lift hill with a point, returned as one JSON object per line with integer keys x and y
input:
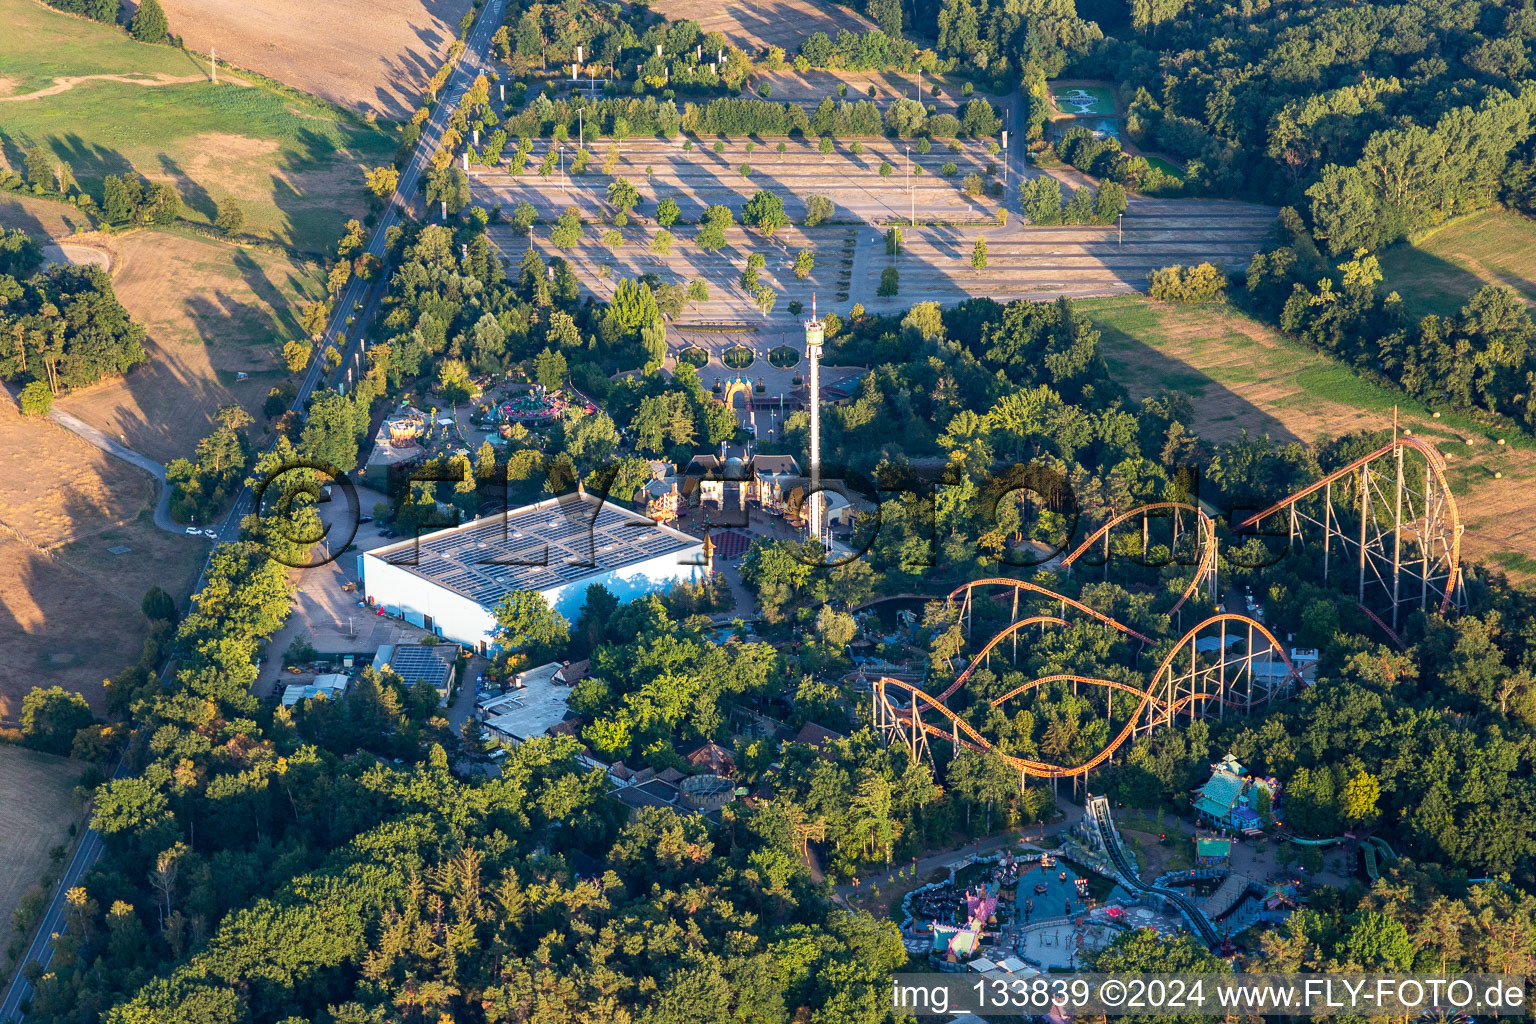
{"x": 1385, "y": 524}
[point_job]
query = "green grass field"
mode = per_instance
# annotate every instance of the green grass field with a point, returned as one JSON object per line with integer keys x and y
{"x": 1437, "y": 273}
{"x": 294, "y": 164}
{"x": 41, "y": 44}
{"x": 1168, "y": 167}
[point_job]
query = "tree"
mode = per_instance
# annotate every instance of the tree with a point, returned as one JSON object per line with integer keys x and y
{"x": 622, "y": 195}
{"x": 979, "y": 119}
{"x": 330, "y": 432}
{"x": 698, "y": 291}
{"x": 36, "y": 399}
{"x": 313, "y": 317}
{"x": 979, "y": 254}
{"x": 805, "y": 261}
{"x": 824, "y": 146}
{"x": 157, "y": 604}
{"x": 296, "y": 355}
{"x": 381, "y": 182}
{"x": 41, "y": 167}
{"x": 890, "y": 282}
{"x": 1359, "y": 799}
{"x": 755, "y": 263}
{"x": 972, "y": 185}
{"x": 711, "y": 233}
{"x": 50, "y": 718}
{"x": 661, "y": 243}
{"x": 817, "y": 210}
{"x": 523, "y": 216}
{"x": 231, "y": 218}
{"x": 550, "y": 370}
{"x": 765, "y": 211}
{"x": 764, "y": 298}
{"x": 526, "y": 622}
{"x": 448, "y": 185}
{"x": 667, "y": 212}
{"x": 566, "y": 231}
{"x": 149, "y": 25}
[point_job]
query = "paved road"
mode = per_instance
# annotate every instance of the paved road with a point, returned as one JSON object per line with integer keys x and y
{"x": 95, "y": 437}
{"x": 357, "y": 294}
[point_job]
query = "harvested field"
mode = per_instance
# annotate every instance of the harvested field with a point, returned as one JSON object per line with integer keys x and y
{"x": 1243, "y": 376}
{"x": 63, "y": 505}
{"x": 1438, "y": 273}
{"x": 380, "y": 63}
{"x": 33, "y": 820}
{"x": 756, "y": 26}
{"x": 40, "y": 216}
{"x": 294, "y": 164}
{"x": 213, "y": 310}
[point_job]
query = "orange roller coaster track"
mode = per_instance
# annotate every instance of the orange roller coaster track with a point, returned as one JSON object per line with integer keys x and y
{"x": 1213, "y": 677}
{"x": 1205, "y": 568}
{"x": 1394, "y": 512}
{"x": 1003, "y": 634}
{"x": 1019, "y": 585}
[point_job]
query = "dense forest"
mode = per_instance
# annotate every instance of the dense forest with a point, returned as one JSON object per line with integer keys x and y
{"x": 1379, "y": 120}
{"x": 62, "y": 326}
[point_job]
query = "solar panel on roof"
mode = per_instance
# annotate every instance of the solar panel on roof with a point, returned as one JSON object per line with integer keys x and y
{"x": 486, "y": 559}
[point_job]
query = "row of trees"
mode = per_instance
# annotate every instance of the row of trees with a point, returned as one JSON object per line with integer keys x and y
{"x": 1041, "y": 201}
{"x": 621, "y": 119}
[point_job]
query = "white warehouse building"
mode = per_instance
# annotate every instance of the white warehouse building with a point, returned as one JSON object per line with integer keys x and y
{"x": 450, "y": 581}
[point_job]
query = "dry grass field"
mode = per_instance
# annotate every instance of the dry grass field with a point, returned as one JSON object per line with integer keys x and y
{"x": 41, "y": 217}
{"x": 1242, "y": 376}
{"x": 213, "y": 310}
{"x": 30, "y": 827}
{"x": 366, "y": 55}
{"x": 755, "y": 26}
{"x": 71, "y": 611}
{"x": 1437, "y": 273}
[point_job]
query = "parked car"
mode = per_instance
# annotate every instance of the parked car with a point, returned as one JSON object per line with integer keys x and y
{"x": 364, "y": 519}
{"x": 211, "y": 533}
{"x": 192, "y": 531}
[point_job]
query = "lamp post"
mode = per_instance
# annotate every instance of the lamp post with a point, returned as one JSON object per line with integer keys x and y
{"x": 1120, "y": 222}
{"x": 911, "y": 192}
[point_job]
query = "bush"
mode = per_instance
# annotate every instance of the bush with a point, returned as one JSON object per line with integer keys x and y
{"x": 149, "y": 24}
{"x": 36, "y": 399}
{"x": 949, "y": 170}
{"x": 817, "y": 209}
{"x": 1202, "y": 283}
{"x": 971, "y": 185}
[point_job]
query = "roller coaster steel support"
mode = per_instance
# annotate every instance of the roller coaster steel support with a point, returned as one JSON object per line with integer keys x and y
{"x": 1409, "y": 529}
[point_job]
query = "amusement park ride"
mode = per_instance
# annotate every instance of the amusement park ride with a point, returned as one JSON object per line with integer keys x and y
{"x": 1398, "y": 528}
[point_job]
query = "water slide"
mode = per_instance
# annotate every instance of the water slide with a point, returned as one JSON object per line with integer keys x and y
{"x": 1109, "y": 837}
